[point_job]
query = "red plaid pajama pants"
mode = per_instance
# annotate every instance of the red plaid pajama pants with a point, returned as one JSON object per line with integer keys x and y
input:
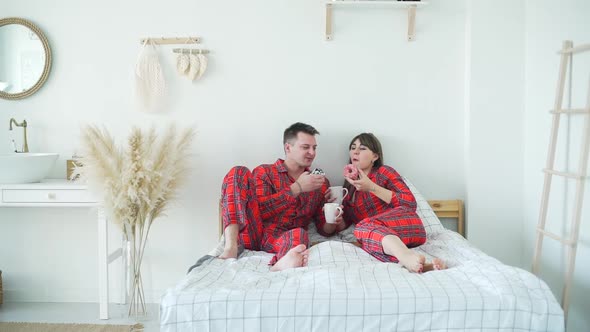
{"x": 400, "y": 221}
{"x": 239, "y": 206}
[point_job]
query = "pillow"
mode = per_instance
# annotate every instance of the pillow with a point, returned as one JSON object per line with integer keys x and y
{"x": 431, "y": 222}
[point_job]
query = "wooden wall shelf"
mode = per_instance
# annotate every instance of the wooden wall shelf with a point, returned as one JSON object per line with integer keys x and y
{"x": 410, "y": 6}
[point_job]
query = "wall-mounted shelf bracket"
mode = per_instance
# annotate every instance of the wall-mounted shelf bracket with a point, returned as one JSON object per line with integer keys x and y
{"x": 171, "y": 40}
{"x": 328, "y": 21}
{"x": 410, "y": 6}
{"x": 411, "y": 22}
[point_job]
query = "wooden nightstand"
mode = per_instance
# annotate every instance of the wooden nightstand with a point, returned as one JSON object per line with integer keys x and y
{"x": 450, "y": 209}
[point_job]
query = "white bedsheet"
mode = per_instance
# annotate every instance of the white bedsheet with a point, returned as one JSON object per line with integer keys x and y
{"x": 345, "y": 289}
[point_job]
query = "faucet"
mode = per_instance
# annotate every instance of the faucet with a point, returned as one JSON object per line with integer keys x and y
{"x": 24, "y": 125}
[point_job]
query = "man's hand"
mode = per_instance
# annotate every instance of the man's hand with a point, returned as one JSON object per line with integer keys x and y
{"x": 311, "y": 182}
{"x": 328, "y": 196}
{"x": 337, "y": 226}
{"x": 339, "y": 222}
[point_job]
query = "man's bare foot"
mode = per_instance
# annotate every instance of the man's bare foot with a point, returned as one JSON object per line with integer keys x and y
{"x": 229, "y": 252}
{"x": 231, "y": 248}
{"x": 437, "y": 264}
{"x": 412, "y": 261}
{"x": 296, "y": 257}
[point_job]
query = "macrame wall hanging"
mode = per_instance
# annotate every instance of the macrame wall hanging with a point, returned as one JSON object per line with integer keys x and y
{"x": 150, "y": 84}
{"x": 191, "y": 63}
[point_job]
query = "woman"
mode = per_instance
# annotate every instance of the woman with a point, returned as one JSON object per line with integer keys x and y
{"x": 383, "y": 208}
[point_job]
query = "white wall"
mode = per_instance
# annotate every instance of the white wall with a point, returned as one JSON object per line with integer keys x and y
{"x": 548, "y": 24}
{"x": 269, "y": 63}
{"x": 495, "y": 81}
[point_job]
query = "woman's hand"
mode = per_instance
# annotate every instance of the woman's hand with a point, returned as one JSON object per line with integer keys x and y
{"x": 363, "y": 183}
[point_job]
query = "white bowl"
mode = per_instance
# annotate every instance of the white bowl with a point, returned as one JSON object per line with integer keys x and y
{"x": 25, "y": 167}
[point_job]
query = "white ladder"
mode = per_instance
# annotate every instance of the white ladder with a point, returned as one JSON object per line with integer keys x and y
{"x": 571, "y": 242}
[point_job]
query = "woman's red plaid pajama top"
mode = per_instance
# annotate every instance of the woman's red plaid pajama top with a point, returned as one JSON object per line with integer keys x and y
{"x": 270, "y": 218}
{"x": 376, "y": 219}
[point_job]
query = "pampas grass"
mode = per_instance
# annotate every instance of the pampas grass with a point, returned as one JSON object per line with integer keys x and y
{"x": 137, "y": 183}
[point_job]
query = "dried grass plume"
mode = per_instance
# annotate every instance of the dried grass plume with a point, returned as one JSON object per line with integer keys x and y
{"x": 136, "y": 181}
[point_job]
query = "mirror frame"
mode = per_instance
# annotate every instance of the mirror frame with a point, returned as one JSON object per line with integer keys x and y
{"x": 46, "y": 69}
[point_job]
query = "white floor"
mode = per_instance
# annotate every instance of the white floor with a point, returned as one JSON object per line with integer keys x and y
{"x": 86, "y": 313}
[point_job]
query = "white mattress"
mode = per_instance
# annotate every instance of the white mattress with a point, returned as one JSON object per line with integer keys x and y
{"x": 345, "y": 289}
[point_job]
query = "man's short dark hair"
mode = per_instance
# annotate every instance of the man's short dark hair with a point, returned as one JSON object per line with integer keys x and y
{"x": 296, "y": 128}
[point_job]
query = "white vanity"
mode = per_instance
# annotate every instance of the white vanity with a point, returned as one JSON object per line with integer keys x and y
{"x": 63, "y": 193}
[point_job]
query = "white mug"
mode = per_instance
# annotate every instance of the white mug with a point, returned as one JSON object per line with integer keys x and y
{"x": 339, "y": 192}
{"x": 330, "y": 212}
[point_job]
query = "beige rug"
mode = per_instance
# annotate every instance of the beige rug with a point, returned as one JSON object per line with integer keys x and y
{"x": 43, "y": 327}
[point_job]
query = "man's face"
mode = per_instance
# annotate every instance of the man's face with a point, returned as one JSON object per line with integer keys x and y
{"x": 302, "y": 151}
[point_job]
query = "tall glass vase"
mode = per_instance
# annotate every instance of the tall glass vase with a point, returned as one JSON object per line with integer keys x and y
{"x": 126, "y": 269}
{"x": 137, "y": 240}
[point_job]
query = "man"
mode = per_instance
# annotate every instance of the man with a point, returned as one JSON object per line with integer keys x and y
{"x": 270, "y": 208}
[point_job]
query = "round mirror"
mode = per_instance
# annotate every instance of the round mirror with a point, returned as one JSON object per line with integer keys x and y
{"x": 25, "y": 58}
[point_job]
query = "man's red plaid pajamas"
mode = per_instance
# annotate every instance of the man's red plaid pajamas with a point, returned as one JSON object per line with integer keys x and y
{"x": 376, "y": 219}
{"x": 270, "y": 217}
{"x": 239, "y": 206}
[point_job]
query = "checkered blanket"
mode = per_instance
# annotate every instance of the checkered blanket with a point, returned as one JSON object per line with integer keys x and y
{"x": 345, "y": 289}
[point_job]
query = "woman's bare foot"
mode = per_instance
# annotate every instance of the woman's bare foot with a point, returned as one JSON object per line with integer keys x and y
{"x": 296, "y": 257}
{"x": 230, "y": 251}
{"x": 437, "y": 264}
{"x": 412, "y": 261}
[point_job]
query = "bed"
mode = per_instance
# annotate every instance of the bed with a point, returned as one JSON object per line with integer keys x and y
{"x": 345, "y": 289}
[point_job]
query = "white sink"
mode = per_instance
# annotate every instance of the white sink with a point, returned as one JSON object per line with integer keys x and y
{"x": 25, "y": 167}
